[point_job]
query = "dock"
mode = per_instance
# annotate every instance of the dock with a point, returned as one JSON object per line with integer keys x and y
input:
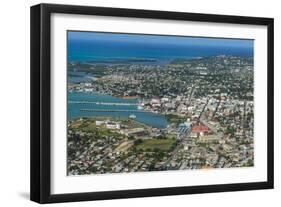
{"x": 111, "y": 110}
{"x": 103, "y": 103}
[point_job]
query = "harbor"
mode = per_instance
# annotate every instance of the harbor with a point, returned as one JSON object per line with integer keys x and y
{"x": 103, "y": 103}
{"x": 98, "y": 105}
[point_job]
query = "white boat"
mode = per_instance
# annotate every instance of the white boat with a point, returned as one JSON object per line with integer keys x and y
{"x": 132, "y": 116}
{"x": 140, "y": 107}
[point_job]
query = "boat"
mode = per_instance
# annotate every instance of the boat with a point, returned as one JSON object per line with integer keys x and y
{"x": 140, "y": 107}
{"x": 132, "y": 116}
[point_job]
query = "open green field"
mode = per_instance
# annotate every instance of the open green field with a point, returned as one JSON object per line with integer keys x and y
{"x": 161, "y": 144}
{"x": 175, "y": 118}
{"x": 88, "y": 125}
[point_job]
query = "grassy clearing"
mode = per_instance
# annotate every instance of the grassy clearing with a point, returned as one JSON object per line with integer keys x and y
{"x": 161, "y": 144}
{"x": 175, "y": 118}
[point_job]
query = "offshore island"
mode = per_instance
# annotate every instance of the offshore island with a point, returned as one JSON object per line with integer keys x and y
{"x": 145, "y": 114}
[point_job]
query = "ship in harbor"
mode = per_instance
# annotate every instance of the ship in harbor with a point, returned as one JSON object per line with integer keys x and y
{"x": 132, "y": 116}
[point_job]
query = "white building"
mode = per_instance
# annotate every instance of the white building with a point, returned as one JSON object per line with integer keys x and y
{"x": 98, "y": 123}
{"x": 112, "y": 125}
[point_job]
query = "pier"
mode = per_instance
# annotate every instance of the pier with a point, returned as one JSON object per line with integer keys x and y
{"x": 103, "y": 103}
{"x": 111, "y": 110}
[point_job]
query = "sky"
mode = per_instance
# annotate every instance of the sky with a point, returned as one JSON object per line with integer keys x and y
{"x": 159, "y": 39}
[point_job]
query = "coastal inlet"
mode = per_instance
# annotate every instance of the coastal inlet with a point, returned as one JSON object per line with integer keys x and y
{"x": 94, "y": 104}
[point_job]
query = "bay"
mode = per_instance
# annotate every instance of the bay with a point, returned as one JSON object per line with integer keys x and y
{"x": 92, "y": 101}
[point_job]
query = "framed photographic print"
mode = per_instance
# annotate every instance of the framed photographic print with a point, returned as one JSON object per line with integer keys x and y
{"x": 132, "y": 103}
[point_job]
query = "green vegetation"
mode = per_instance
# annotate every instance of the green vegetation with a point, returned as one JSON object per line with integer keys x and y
{"x": 250, "y": 163}
{"x": 137, "y": 141}
{"x": 88, "y": 126}
{"x": 230, "y": 130}
{"x": 175, "y": 118}
{"x": 96, "y": 70}
{"x": 156, "y": 144}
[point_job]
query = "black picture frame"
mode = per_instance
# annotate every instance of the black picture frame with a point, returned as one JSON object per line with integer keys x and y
{"x": 41, "y": 99}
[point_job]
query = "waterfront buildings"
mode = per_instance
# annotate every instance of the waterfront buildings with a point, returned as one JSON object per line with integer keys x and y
{"x": 188, "y": 114}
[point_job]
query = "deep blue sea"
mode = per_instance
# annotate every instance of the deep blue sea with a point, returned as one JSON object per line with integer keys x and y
{"x": 93, "y": 50}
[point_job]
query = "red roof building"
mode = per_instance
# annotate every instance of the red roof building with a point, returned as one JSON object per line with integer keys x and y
{"x": 200, "y": 129}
